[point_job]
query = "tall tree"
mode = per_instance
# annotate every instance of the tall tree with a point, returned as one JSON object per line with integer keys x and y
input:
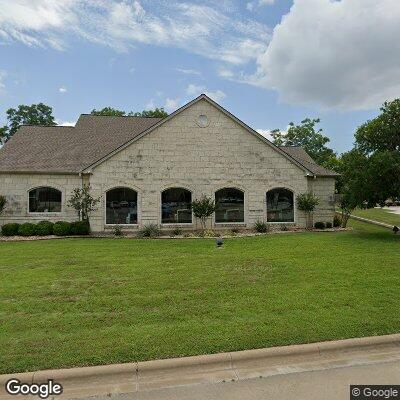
{"x": 108, "y": 112}
{"x": 383, "y": 132}
{"x": 156, "y": 113}
{"x": 310, "y": 138}
{"x": 113, "y": 112}
{"x": 378, "y": 141}
{"x": 35, "y": 114}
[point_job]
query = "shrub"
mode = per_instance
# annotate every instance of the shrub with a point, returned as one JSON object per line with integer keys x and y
{"x": 151, "y": 231}
{"x": 319, "y": 225}
{"x": 261, "y": 227}
{"x": 62, "y": 228}
{"x": 337, "y": 221}
{"x": 203, "y": 208}
{"x": 10, "y": 229}
{"x": 177, "y": 232}
{"x": 307, "y": 202}
{"x": 27, "y": 229}
{"x": 117, "y": 231}
{"x": 80, "y": 228}
{"x": 284, "y": 228}
{"x": 208, "y": 233}
{"x": 328, "y": 225}
{"x": 44, "y": 228}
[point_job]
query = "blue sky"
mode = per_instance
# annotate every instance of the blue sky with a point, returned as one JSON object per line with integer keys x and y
{"x": 267, "y": 61}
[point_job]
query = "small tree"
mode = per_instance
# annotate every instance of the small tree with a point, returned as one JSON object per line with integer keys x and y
{"x": 83, "y": 202}
{"x": 3, "y": 203}
{"x": 203, "y": 208}
{"x": 307, "y": 202}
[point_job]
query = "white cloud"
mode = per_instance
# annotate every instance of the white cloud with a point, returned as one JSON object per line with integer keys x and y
{"x": 65, "y": 123}
{"x": 189, "y": 71}
{"x": 62, "y": 89}
{"x": 3, "y": 74}
{"x": 150, "y": 105}
{"x": 217, "y": 96}
{"x": 172, "y": 104}
{"x": 266, "y": 2}
{"x": 334, "y": 54}
{"x": 195, "y": 90}
{"x": 213, "y": 30}
{"x": 265, "y": 132}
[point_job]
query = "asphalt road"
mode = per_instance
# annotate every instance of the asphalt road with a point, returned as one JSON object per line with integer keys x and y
{"x": 316, "y": 385}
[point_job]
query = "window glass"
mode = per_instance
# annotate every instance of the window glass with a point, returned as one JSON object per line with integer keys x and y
{"x": 121, "y": 206}
{"x": 175, "y": 206}
{"x": 44, "y": 199}
{"x": 230, "y": 205}
{"x": 280, "y": 206}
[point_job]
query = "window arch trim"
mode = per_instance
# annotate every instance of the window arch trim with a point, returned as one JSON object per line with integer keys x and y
{"x": 177, "y": 223}
{"x": 110, "y": 189}
{"x": 293, "y": 201}
{"x": 56, "y": 189}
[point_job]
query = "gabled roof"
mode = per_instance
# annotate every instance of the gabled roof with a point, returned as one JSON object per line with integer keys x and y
{"x": 304, "y": 158}
{"x": 94, "y": 139}
{"x": 68, "y": 149}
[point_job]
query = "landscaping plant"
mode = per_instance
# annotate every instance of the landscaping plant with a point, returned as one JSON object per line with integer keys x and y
{"x": 150, "y": 231}
{"x": 261, "y": 227}
{"x": 62, "y": 228}
{"x": 27, "y": 229}
{"x": 83, "y": 202}
{"x": 307, "y": 202}
{"x": 10, "y": 229}
{"x": 319, "y": 225}
{"x": 80, "y": 228}
{"x": 203, "y": 208}
{"x": 44, "y": 228}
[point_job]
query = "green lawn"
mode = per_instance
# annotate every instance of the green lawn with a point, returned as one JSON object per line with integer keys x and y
{"x": 379, "y": 214}
{"x": 73, "y": 302}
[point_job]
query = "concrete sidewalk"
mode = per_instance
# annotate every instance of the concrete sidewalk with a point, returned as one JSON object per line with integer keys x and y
{"x": 327, "y": 384}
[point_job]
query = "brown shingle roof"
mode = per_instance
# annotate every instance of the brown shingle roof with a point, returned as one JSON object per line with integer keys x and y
{"x": 72, "y": 149}
{"x": 301, "y": 156}
{"x": 69, "y": 149}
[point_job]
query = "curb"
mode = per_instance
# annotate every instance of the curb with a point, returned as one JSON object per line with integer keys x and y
{"x": 372, "y": 222}
{"x": 221, "y": 367}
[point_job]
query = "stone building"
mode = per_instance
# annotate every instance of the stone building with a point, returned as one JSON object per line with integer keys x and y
{"x": 148, "y": 170}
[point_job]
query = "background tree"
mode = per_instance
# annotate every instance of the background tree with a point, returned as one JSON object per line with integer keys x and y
{"x": 108, "y": 112}
{"x": 311, "y": 139}
{"x": 203, "y": 208}
{"x": 156, "y": 113}
{"x": 83, "y": 202}
{"x": 35, "y": 114}
{"x": 307, "y": 202}
{"x": 370, "y": 173}
{"x": 113, "y": 112}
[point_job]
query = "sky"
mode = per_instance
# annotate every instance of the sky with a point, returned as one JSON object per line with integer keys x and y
{"x": 269, "y": 62}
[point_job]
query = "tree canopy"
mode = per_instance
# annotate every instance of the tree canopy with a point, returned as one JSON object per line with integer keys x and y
{"x": 109, "y": 111}
{"x": 310, "y": 138}
{"x": 35, "y": 114}
{"x": 383, "y": 132}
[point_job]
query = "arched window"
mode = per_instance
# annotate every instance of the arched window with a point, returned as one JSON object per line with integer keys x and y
{"x": 176, "y": 206}
{"x": 121, "y": 206}
{"x": 44, "y": 199}
{"x": 230, "y": 205}
{"x": 280, "y": 205}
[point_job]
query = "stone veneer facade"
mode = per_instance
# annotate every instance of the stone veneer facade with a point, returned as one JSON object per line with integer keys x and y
{"x": 179, "y": 153}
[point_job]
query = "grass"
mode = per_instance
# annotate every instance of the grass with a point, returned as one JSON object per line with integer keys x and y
{"x": 379, "y": 214}
{"x": 76, "y": 302}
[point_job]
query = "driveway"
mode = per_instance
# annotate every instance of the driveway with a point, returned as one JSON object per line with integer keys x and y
{"x": 394, "y": 210}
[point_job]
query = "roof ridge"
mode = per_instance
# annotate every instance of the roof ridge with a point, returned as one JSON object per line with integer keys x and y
{"x": 120, "y": 116}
